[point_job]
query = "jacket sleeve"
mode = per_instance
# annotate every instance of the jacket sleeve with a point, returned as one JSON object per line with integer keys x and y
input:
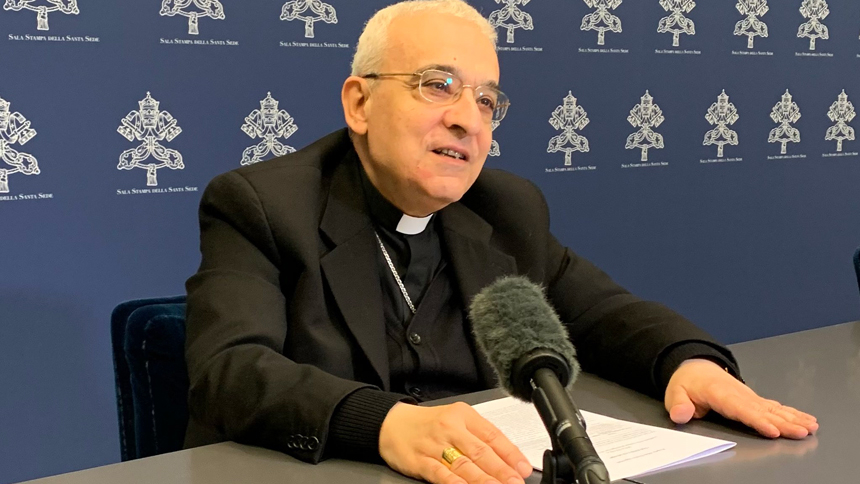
{"x": 242, "y": 386}
{"x": 617, "y": 335}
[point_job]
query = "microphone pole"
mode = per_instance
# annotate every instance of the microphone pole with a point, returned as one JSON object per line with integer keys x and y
{"x": 572, "y": 458}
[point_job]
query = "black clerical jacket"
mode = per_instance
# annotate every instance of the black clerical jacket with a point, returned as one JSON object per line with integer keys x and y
{"x": 285, "y": 315}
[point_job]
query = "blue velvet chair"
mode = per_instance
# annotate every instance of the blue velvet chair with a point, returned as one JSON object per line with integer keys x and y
{"x": 148, "y": 340}
{"x": 857, "y": 265}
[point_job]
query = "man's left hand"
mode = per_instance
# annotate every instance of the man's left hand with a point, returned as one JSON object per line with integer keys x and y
{"x": 699, "y": 385}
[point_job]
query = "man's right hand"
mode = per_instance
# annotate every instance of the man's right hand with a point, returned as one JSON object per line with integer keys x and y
{"x": 412, "y": 439}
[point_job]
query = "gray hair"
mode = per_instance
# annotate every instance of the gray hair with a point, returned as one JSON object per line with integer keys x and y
{"x": 370, "y": 50}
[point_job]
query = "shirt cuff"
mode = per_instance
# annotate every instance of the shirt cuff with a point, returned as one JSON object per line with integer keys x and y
{"x": 673, "y": 358}
{"x": 355, "y": 425}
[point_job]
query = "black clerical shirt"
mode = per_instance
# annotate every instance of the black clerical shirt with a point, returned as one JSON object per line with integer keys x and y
{"x": 431, "y": 353}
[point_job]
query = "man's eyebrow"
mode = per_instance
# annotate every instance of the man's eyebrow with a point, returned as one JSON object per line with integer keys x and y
{"x": 456, "y": 72}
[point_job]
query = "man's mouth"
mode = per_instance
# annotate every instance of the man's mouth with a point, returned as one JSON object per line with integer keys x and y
{"x": 450, "y": 153}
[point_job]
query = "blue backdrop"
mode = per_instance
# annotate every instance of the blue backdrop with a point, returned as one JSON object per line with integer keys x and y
{"x": 754, "y": 243}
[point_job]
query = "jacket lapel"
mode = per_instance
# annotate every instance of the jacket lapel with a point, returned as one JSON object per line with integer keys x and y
{"x": 351, "y": 267}
{"x": 466, "y": 237}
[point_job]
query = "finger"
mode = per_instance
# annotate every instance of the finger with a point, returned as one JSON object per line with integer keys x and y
{"x": 485, "y": 458}
{"x": 737, "y": 408}
{"x": 787, "y": 429}
{"x": 436, "y": 472}
{"x": 679, "y": 405}
{"x": 803, "y": 416}
{"x": 682, "y": 413}
{"x": 470, "y": 472}
{"x": 760, "y": 424}
{"x": 792, "y": 417}
{"x": 502, "y": 447}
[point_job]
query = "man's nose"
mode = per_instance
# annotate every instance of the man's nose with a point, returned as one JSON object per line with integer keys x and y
{"x": 465, "y": 114}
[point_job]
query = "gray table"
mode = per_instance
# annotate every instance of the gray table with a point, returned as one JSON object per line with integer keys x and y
{"x": 817, "y": 371}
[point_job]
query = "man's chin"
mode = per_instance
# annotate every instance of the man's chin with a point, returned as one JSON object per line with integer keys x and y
{"x": 441, "y": 191}
{"x": 444, "y": 199}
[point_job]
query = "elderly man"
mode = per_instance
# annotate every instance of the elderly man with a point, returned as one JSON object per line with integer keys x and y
{"x": 331, "y": 293}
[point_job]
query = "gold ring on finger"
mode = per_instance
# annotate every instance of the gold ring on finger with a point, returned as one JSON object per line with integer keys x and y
{"x": 451, "y": 454}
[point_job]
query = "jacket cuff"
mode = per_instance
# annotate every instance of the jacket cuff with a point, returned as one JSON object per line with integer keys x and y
{"x": 354, "y": 429}
{"x": 672, "y": 359}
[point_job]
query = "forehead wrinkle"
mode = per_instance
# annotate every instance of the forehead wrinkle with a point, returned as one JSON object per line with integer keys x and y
{"x": 457, "y": 72}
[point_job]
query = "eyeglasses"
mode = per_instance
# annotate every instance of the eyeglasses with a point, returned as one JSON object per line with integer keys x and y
{"x": 442, "y": 87}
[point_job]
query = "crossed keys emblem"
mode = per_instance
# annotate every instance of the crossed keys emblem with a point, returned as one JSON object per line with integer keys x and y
{"x": 14, "y": 128}
{"x": 150, "y": 126}
{"x": 268, "y": 123}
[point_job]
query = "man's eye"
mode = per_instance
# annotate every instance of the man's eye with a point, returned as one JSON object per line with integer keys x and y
{"x": 440, "y": 86}
{"x": 487, "y": 102}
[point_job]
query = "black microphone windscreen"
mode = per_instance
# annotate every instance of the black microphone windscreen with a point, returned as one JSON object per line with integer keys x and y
{"x": 511, "y": 318}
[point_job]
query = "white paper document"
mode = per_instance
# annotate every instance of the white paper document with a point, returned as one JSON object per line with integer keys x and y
{"x": 628, "y": 449}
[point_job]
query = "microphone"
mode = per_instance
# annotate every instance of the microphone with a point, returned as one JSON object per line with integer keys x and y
{"x": 529, "y": 349}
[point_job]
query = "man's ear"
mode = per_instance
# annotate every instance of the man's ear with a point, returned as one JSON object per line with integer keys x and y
{"x": 355, "y": 97}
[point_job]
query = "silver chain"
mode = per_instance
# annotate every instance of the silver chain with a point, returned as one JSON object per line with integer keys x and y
{"x": 394, "y": 273}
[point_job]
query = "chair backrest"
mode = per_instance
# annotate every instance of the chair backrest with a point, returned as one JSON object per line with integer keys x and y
{"x": 857, "y": 265}
{"x": 148, "y": 340}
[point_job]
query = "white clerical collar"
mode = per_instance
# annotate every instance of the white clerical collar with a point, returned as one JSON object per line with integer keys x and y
{"x": 413, "y": 225}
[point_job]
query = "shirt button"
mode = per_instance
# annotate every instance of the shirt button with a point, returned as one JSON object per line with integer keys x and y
{"x": 415, "y": 338}
{"x": 416, "y": 392}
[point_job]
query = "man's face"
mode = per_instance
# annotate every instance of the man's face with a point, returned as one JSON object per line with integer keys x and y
{"x": 405, "y": 132}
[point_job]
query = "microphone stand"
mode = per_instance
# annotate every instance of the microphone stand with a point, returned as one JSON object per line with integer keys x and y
{"x": 556, "y": 466}
{"x": 538, "y": 376}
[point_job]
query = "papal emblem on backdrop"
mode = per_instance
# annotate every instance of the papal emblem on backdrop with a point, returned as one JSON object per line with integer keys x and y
{"x": 676, "y": 23}
{"x": 841, "y": 113}
{"x": 268, "y": 124}
{"x": 568, "y": 118}
{"x": 511, "y": 17}
{"x": 721, "y": 115}
{"x": 14, "y": 129}
{"x": 646, "y": 116}
{"x": 309, "y": 12}
{"x": 43, "y": 8}
{"x": 752, "y": 26}
{"x": 602, "y": 20}
{"x": 494, "y": 146}
{"x": 150, "y": 126}
{"x": 815, "y": 11}
{"x": 194, "y": 10}
{"x": 786, "y": 112}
